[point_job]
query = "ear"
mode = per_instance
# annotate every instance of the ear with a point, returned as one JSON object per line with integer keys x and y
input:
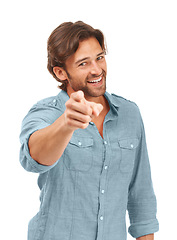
{"x": 60, "y": 73}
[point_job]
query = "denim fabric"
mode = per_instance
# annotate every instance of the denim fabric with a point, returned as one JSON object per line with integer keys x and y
{"x": 85, "y": 194}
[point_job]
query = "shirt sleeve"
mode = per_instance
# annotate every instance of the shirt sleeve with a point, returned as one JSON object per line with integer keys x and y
{"x": 39, "y": 116}
{"x": 142, "y": 205}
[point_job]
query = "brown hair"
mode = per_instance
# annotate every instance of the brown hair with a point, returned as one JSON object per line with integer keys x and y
{"x": 64, "y": 41}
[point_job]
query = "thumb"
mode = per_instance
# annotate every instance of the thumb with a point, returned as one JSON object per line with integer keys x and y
{"x": 80, "y": 95}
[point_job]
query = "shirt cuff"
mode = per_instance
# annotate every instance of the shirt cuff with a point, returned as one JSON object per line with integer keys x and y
{"x": 143, "y": 228}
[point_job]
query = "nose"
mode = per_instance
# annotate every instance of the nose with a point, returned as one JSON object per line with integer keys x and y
{"x": 95, "y": 69}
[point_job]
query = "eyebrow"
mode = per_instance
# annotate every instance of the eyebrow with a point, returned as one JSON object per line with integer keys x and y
{"x": 86, "y": 58}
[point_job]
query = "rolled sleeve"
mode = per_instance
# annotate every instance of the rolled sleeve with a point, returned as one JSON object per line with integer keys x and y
{"x": 27, "y": 162}
{"x": 142, "y": 205}
{"x": 38, "y": 117}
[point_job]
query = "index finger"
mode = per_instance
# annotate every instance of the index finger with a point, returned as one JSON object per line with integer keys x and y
{"x": 96, "y": 108}
{"x": 78, "y": 96}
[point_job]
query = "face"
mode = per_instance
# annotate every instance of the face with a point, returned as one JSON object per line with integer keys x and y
{"x": 86, "y": 69}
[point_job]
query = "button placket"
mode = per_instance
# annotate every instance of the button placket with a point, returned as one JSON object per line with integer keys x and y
{"x": 102, "y": 189}
{"x": 103, "y": 182}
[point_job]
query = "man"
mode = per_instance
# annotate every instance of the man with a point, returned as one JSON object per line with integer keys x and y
{"x": 88, "y": 147}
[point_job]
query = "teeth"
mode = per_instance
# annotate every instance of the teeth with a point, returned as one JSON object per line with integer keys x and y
{"x": 95, "y": 81}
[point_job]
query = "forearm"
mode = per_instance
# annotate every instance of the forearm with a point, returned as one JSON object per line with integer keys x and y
{"x": 147, "y": 237}
{"x": 47, "y": 145}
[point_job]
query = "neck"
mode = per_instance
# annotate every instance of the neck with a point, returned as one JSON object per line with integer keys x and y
{"x": 101, "y": 99}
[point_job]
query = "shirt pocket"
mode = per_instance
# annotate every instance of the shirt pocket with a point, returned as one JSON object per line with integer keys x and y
{"x": 128, "y": 151}
{"x": 79, "y": 153}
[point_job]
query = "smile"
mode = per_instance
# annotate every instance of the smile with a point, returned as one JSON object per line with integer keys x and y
{"x": 96, "y": 81}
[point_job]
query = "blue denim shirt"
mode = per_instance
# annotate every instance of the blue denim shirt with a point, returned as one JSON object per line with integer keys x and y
{"x": 85, "y": 194}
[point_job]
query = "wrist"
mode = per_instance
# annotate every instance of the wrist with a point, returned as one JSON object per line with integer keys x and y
{"x": 64, "y": 127}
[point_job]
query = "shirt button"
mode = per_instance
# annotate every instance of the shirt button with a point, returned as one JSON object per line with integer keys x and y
{"x": 102, "y": 191}
{"x": 79, "y": 143}
{"x": 101, "y": 218}
{"x": 105, "y": 142}
{"x": 105, "y": 167}
{"x": 54, "y": 100}
{"x": 131, "y": 146}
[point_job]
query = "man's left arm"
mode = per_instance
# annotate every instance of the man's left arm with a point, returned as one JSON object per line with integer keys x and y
{"x": 147, "y": 237}
{"x": 141, "y": 199}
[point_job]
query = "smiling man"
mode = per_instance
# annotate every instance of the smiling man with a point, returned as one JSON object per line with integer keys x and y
{"x": 88, "y": 147}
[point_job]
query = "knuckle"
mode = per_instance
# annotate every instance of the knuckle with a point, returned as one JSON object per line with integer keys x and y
{"x": 67, "y": 103}
{"x": 87, "y": 118}
{"x": 73, "y": 95}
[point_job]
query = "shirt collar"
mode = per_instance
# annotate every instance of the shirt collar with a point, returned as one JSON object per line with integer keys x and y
{"x": 112, "y": 100}
{"x": 114, "y": 106}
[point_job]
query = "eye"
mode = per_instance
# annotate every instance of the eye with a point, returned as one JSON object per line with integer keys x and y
{"x": 82, "y": 64}
{"x": 100, "y": 58}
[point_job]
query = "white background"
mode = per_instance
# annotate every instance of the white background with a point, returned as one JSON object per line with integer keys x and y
{"x": 142, "y": 66}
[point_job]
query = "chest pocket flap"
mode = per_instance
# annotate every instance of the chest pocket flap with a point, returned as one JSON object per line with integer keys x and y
{"x": 128, "y": 147}
{"x": 81, "y": 142}
{"x": 79, "y": 154}
{"x": 130, "y": 143}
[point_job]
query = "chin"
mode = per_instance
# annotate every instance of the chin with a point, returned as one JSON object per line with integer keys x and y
{"x": 97, "y": 93}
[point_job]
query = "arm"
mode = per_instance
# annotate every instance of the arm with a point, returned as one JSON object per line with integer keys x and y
{"x": 147, "y": 237}
{"x": 48, "y": 144}
{"x": 142, "y": 205}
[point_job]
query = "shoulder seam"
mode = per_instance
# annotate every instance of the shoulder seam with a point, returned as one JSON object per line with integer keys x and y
{"x": 123, "y": 98}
